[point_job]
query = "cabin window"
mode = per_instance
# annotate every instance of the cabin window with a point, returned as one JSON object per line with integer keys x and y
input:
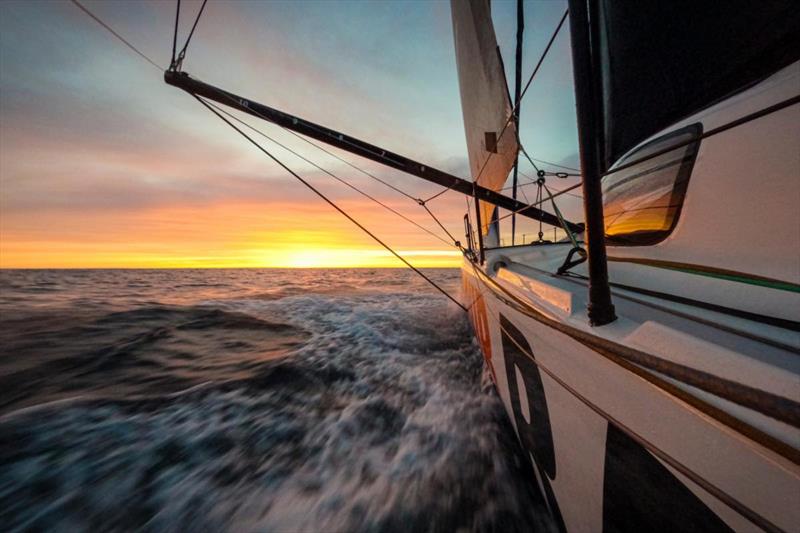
{"x": 642, "y": 203}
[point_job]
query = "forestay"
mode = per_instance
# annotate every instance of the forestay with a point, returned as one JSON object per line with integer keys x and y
{"x": 491, "y": 135}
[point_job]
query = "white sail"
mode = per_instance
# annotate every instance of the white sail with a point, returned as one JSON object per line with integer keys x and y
{"x": 491, "y": 136}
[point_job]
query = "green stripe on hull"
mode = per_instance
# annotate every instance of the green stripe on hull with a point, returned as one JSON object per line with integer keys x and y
{"x": 712, "y": 272}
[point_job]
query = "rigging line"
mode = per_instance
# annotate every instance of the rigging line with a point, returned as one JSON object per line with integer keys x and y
{"x": 530, "y": 160}
{"x": 561, "y": 175}
{"x": 331, "y": 174}
{"x": 322, "y": 148}
{"x": 521, "y": 96}
{"x": 175, "y": 34}
{"x": 564, "y": 191}
{"x": 352, "y": 165}
{"x": 301, "y": 137}
{"x": 438, "y": 194}
{"x": 544, "y": 54}
{"x": 332, "y": 204}
{"x": 556, "y": 165}
{"x": 115, "y": 34}
{"x": 533, "y": 180}
{"x": 539, "y": 201}
{"x": 525, "y": 153}
{"x": 521, "y": 188}
{"x": 558, "y": 191}
{"x": 182, "y": 53}
{"x": 440, "y": 224}
{"x": 469, "y": 221}
{"x": 543, "y": 173}
{"x": 561, "y": 218}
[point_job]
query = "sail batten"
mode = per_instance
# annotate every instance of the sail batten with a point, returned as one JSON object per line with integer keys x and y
{"x": 490, "y": 131}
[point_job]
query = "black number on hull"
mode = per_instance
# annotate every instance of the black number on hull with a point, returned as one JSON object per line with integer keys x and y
{"x": 536, "y": 436}
{"x": 640, "y": 494}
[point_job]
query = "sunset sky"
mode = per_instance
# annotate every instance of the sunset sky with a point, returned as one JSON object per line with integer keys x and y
{"x": 103, "y": 165}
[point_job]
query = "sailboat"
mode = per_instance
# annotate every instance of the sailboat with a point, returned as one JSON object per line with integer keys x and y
{"x": 649, "y": 360}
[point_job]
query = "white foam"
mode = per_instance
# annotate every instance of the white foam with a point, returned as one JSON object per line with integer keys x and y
{"x": 377, "y": 422}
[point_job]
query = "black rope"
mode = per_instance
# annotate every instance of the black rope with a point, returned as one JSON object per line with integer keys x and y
{"x": 331, "y": 174}
{"x": 530, "y": 160}
{"x": 331, "y": 203}
{"x": 117, "y": 35}
{"x": 564, "y": 191}
{"x": 540, "y": 183}
{"x": 304, "y": 182}
{"x": 533, "y": 182}
{"x": 175, "y": 33}
{"x": 542, "y": 173}
{"x": 323, "y": 149}
{"x": 352, "y": 165}
{"x": 556, "y": 165}
{"x": 182, "y": 53}
{"x": 544, "y": 54}
{"x": 438, "y": 194}
{"x": 562, "y": 175}
{"x": 521, "y": 187}
{"x": 455, "y": 241}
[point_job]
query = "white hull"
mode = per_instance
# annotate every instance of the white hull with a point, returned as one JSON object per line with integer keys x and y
{"x": 618, "y": 445}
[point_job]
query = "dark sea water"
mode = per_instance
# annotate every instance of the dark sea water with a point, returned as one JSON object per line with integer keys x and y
{"x": 249, "y": 400}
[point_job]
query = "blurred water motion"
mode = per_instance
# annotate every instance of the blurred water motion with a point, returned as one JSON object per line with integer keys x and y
{"x": 249, "y": 400}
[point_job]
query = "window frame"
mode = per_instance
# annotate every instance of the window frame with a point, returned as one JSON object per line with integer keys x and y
{"x": 680, "y": 186}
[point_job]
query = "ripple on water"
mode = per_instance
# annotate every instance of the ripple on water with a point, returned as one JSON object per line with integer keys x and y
{"x": 310, "y": 412}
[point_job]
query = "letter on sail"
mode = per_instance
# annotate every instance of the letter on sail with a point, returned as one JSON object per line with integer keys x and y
{"x": 485, "y": 103}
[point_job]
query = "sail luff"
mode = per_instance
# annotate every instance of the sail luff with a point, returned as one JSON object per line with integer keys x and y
{"x": 490, "y": 130}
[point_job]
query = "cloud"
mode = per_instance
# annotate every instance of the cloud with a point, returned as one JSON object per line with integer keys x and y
{"x": 96, "y": 152}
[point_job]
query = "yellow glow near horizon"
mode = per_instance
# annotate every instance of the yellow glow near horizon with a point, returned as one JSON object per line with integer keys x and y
{"x": 223, "y": 236}
{"x": 328, "y": 258}
{"x": 69, "y": 257}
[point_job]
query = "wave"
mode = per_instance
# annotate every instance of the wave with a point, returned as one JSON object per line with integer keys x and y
{"x": 149, "y": 350}
{"x": 372, "y": 418}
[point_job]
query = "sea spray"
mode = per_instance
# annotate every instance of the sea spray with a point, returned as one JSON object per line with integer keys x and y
{"x": 352, "y": 405}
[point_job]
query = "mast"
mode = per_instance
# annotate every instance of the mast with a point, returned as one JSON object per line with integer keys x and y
{"x": 517, "y": 91}
{"x": 362, "y": 148}
{"x": 588, "y": 92}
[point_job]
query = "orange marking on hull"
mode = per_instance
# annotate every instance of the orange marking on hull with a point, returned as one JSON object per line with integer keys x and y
{"x": 480, "y": 323}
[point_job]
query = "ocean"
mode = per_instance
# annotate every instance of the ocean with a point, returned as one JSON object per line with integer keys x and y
{"x": 250, "y": 400}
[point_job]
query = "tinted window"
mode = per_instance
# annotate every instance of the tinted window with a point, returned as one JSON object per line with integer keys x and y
{"x": 642, "y": 202}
